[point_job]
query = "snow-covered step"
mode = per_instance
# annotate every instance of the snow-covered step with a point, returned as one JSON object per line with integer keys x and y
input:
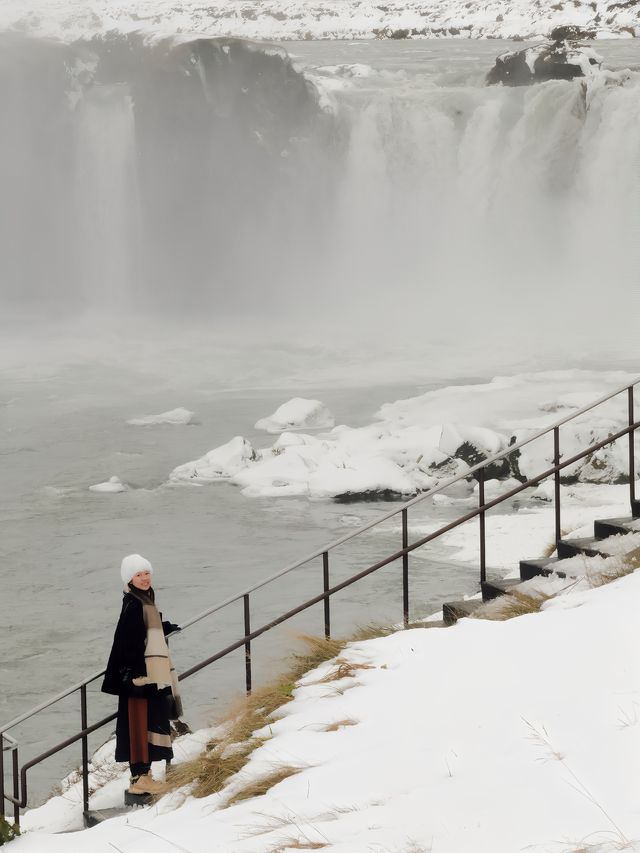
{"x": 544, "y": 567}
{"x": 605, "y": 527}
{"x": 590, "y": 546}
{"x": 454, "y": 610}
{"x": 495, "y": 588}
{"x": 93, "y": 817}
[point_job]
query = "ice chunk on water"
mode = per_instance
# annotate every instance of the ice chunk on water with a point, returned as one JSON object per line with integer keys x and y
{"x": 298, "y": 413}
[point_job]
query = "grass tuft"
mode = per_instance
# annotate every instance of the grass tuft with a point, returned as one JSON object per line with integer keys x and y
{"x": 344, "y": 669}
{"x": 514, "y": 603}
{"x": 210, "y": 771}
{"x": 259, "y": 787}
{"x": 340, "y": 724}
{"x": 222, "y": 758}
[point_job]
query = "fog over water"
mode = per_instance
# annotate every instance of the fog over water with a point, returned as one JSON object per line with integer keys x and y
{"x": 206, "y": 223}
{"x": 210, "y": 180}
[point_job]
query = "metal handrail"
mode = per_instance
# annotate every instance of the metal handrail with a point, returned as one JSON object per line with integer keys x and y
{"x": 412, "y": 502}
{"x": 249, "y": 635}
{"x": 336, "y": 543}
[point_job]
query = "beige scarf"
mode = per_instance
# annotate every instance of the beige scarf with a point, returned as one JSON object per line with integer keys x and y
{"x": 160, "y": 668}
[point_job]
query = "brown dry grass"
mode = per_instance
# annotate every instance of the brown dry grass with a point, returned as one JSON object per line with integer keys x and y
{"x": 258, "y": 787}
{"x": 632, "y": 559}
{"x": 596, "y": 579}
{"x": 344, "y": 669}
{"x": 296, "y": 844}
{"x": 209, "y": 772}
{"x": 514, "y": 603}
{"x": 340, "y": 724}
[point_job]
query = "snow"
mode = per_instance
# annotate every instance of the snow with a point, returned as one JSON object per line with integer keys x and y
{"x": 453, "y": 739}
{"x": 317, "y": 19}
{"x": 111, "y": 486}
{"x": 420, "y": 443}
{"x": 175, "y": 417}
{"x": 298, "y": 413}
{"x": 218, "y": 464}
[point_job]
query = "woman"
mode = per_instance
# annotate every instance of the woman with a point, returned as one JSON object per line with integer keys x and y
{"x": 141, "y": 673}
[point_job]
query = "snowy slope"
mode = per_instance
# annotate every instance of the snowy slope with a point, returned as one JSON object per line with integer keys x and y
{"x": 491, "y": 737}
{"x": 320, "y": 19}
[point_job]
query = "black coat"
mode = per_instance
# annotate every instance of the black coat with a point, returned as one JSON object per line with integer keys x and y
{"x": 126, "y": 662}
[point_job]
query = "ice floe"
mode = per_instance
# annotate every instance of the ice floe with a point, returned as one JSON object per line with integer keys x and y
{"x": 176, "y": 417}
{"x": 111, "y": 486}
{"x": 298, "y": 413}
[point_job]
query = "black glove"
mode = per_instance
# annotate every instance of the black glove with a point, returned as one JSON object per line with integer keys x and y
{"x": 170, "y": 628}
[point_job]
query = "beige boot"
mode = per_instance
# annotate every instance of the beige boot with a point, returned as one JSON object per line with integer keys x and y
{"x": 147, "y": 785}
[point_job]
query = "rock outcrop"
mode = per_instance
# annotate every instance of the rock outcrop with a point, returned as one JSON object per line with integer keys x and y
{"x": 563, "y": 57}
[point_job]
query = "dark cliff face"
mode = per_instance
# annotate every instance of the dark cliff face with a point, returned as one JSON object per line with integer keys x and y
{"x": 147, "y": 165}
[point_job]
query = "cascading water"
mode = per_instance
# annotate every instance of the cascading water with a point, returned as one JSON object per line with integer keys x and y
{"x": 379, "y": 189}
{"x": 146, "y": 176}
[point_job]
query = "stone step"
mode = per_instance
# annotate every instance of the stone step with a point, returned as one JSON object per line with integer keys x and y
{"x": 590, "y": 546}
{"x": 92, "y": 817}
{"x": 543, "y": 567}
{"x": 137, "y": 799}
{"x": 454, "y": 610}
{"x": 496, "y": 588}
{"x": 605, "y": 527}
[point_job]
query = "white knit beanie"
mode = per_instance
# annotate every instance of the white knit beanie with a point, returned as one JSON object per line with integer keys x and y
{"x": 133, "y": 564}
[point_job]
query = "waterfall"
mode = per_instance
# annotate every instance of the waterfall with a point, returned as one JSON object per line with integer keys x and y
{"x": 106, "y": 195}
{"x": 208, "y": 176}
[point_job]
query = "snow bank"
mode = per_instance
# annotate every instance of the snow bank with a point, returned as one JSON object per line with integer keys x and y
{"x": 411, "y": 449}
{"x": 175, "y": 417}
{"x": 111, "y": 486}
{"x": 298, "y": 413}
{"x": 319, "y": 19}
{"x": 448, "y": 739}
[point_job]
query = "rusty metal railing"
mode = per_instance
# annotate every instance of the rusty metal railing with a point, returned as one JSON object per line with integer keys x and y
{"x": 19, "y": 796}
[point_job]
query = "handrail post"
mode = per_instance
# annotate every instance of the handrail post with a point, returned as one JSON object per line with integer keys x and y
{"x": 1, "y": 774}
{"x": 556, "y": 478}
{"x": 481, "y": 518}
{"x": 632, "y": 461}
{"x": 325, "y": 585}
{"x": 16, "y": 789}
{"x": 85, "y": 748}
{"x": 247, "y": 644}
{"x": 405, "y": 567}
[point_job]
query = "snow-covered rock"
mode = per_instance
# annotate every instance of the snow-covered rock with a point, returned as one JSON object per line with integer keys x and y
{"x": 175, "y": 417}
{"x": 562, "y": 58}
{"x": 111, "y": 486}
{"x": 298, "y": 413}
{"x": 221, "y": 463}
{"x": 408, "y": 450}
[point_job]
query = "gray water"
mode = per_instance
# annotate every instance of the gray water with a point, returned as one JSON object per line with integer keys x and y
{"x": 358, "y": 268}
{"x": 62, "y": 544}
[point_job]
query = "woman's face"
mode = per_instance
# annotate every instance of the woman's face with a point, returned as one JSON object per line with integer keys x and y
{"x": 141, "y": 580}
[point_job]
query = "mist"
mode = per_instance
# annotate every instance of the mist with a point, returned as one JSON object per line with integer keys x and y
{"x": 195, "y": 194}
